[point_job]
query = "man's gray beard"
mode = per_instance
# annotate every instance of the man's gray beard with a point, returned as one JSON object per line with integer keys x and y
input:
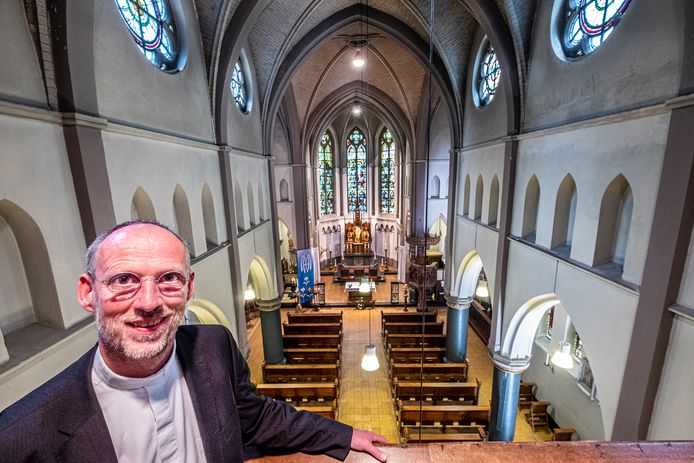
{"x": 125, "y": 348}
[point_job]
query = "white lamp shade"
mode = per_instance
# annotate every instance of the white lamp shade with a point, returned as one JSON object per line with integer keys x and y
{"x": 249, "y": 294}
{"x": 482, "y": 290}
{"x": 562, "y": 357}
{"x": 356, "y": 110}
{"x": 358, "y": 60}
{"x": 369, "y": 362}
{"x": 364, "y": 286}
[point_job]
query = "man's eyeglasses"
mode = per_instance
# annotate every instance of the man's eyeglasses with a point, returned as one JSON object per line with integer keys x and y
{"x": 128, "y": 284}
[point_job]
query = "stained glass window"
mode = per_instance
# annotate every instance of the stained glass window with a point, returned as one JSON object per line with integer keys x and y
{"x": 356, "y": 171}
{"x": 326, "y": 165}
{"x": 586, "y": 24}
{"x": 578, "y": 347}
{"x": 151, "y": 24}
{"x": 489, "y": 75}
{"x": 238, "y": 87}
{"x": 387, "y": 173}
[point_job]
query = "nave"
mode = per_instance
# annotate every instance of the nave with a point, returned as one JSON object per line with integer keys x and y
{"x": 365, "y": 399}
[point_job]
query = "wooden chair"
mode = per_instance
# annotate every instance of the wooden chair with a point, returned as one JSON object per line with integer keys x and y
{"x": 538, "y": 415}
{"x": 525, "y": 394}
{"x": 562, "y": 434}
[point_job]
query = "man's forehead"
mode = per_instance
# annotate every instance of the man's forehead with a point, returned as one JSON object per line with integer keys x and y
{"x": 144, "y": 239}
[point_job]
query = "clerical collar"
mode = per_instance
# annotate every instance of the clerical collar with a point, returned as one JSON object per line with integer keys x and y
{"x": 116, "y": 381}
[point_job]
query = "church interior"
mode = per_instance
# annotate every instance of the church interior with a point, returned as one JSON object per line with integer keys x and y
{"x": 444, "y": 221}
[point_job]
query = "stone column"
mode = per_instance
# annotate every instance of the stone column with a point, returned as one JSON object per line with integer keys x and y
{"x": 505, "y": 385}
{"x": 271, "y": 326}
{"x": 456, "y": 328}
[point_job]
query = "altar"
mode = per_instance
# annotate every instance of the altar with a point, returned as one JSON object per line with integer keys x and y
{"x": 353, "y": 294}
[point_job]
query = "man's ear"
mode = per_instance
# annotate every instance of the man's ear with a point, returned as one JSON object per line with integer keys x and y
{"x": 191, "y": 286}
{"x": 85, "y": 293}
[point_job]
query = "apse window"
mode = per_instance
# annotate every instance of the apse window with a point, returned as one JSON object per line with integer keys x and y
{"x": 151, "y": 24}
{"x": 239, "y": 87}
{"x": 584, "y": 25}
{"x": 488, "y": 75}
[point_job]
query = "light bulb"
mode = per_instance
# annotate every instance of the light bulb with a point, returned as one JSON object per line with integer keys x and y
{"x": 369, "y": 362}
{"x": 562, "y": 357}
{"x": 358, "y": 61}
{"x": 356, "y": 110}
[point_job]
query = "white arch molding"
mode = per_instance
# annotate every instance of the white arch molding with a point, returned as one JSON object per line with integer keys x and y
{"x": 260, "y": 279}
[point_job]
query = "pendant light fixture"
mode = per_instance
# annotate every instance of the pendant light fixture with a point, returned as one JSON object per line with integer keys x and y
{"x": 482, "y": 290}
{"x": 369, "y": 362}
{"x": 562, "y": 357}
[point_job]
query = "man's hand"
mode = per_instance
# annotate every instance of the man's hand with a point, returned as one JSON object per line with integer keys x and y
{"x": 362, "y": 441}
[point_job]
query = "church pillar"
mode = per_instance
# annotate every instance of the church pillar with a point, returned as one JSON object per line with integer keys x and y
{"x": 456, "y": 328}
{"x": 301, "y": 213}
{"x": 271, "y": 327}
{"x": 505, "y": 385}
{"x": 418, "y": 198}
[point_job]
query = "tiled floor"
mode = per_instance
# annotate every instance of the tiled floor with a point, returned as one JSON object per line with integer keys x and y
{"x": 365, "y": 399}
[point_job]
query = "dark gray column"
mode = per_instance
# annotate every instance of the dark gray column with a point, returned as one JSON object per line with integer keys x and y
{"x": 456, "y": 328}
{"x": 271, "y": 326}
{"x": 301, "y": 212}
{"x": 505, "y": 384}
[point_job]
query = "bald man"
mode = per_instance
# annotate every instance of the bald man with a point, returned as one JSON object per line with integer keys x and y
{"x": 152, "y": 390}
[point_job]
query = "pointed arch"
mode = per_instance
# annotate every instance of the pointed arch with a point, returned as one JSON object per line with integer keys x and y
{"x": 564, "y": 214}
{"x": 238, "y": 208}
{"x": 141, "y": 207}
{"x": 479, "y": 197}
{"x": 435, "y": 188}
{"x": 184, "y": 226}
{"x": 493, "y": 213}
{"x": 208, "y": 217}
{"x": 531, "y": 205}
{"x": 614, "y": 223}
{"x": 466, "y": 196}
{"x": 284, "y": 190}
{"x": 260, "y": 279}
{"x": 250, "y": 197}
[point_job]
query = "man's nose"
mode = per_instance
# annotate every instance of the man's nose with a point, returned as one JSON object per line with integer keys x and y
{"x": 148, "y": 296}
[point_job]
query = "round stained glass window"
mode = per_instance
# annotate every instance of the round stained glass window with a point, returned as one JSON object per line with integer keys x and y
{"x": 151, "y": 24}
{"x": 238, "y": 88}
{"x": 586, "y": 24}
{"x": 489, "y": 75}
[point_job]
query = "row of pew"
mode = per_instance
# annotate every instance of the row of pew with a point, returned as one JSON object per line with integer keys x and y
{"x": 311, "y": 378}
{"x": 435, "y": 401}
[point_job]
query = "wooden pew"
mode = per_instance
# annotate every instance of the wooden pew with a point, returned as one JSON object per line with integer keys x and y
{"x": 412, "y": 328}
{"x": 303, "y": 373}
{"x": 314, "y": 317}
{"x": 311, "y": 340}
{"x": 415, "y": 340}
{"x": 326, "y": 411}
{"x": 444, "y": 415}
{"x": 433, "y": 393}
{"x": 415, "y": 354}
{"x": 299, "y": 393}
{"x": 312, "y": 355}
{"x": 430, "y": 372}
{"x": 407, "y": 317}
{"x": 474, "y": 433}
{"x": 312, "y": 328}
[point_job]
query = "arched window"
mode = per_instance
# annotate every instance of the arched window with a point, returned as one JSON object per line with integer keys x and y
{"x": 141, "y": 207}
{"x": 488, "y": 76}
{"x": 238, "y": 87}
{"x": 284, "y": 190}
{"x": 326, "y": 174}
{"x": 615, "y": 221}
{"x": 532, "y": 202}
{"x": 479, "y": 196}
{"x": 586, "y": 24}
{"x": 356, "y": 171}
{"x": 492, "y": 215}
{"x": 435, "y": 188}
{"x": 564, "y": 217}
{"x": 184, "y": 226}
{"x": 466, "y": 196}
{"x": 208, "y": 217}
{"x": 387, "y": 173}
{"x": 151, "y": 23}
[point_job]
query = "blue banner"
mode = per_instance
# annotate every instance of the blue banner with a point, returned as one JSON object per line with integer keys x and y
{"x": 305, "y": 275}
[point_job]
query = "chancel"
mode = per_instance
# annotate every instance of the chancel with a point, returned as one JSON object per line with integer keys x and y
{"x": 515, "y": 188}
